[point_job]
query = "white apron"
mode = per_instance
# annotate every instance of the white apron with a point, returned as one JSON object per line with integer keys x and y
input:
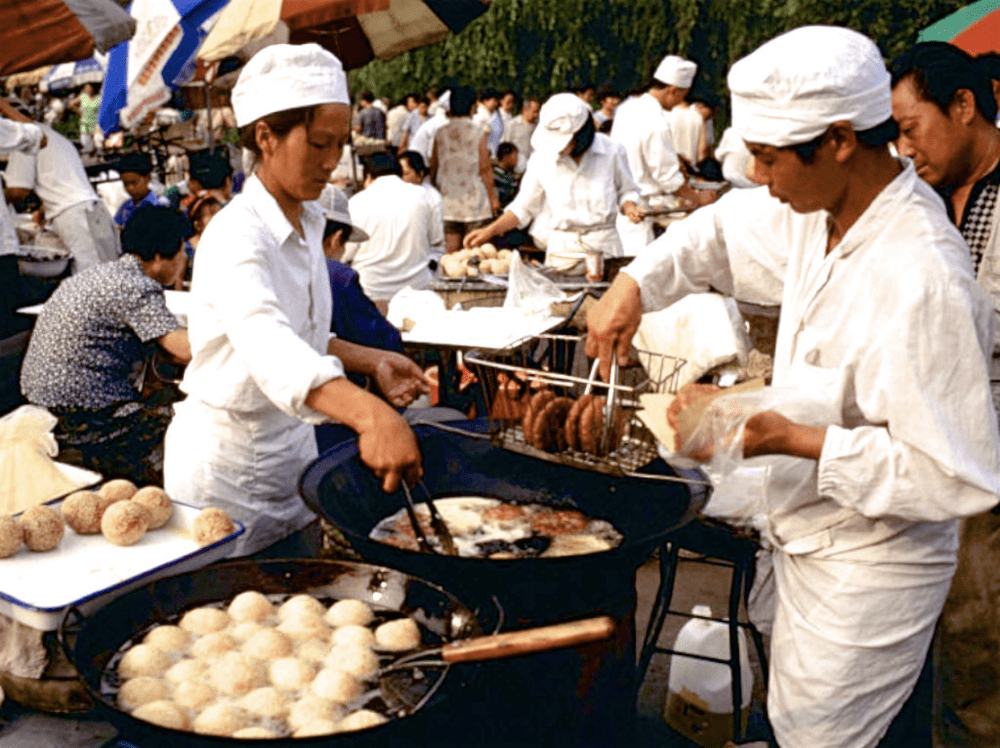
{"x": 248, "y": 465}
{"x": 567, "y": 248}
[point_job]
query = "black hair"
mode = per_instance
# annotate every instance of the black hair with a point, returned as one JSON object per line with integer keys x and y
{"x": 505, "y": 149}
{"x": 989, "y": 63}
{"x": 423, "y": 100}
{"x": 136, "y": 163}
{"x": 198, "y": 207}
{"x": 280, "y": 123}
{"x": 487, "y": 93}
{"x": 382, "y": 165}
{"x": 154, "y": 230}
{"x": 605, "y": 91}
{"x": 367, "y": 96}
{"x": 411, "y": 95}
{"x": 882, "y": 134}
{"x": 606, "y": 126}
{"x": 332, "y": 227}
{"x": 462, "y": 99}
{"x": 939, "y": 70}
{"x": 210, "y": 168}
{"x": 416, "y": 161}
{"x": 583, "y": 138}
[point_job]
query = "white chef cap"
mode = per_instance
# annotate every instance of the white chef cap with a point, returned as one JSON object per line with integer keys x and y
{"x": 676, "y": 71}
{"x": 288, "y": 76}
{"x": 791, "y": 89}
{"x": 559, "y": 119}
{"x": 444, "y": 101}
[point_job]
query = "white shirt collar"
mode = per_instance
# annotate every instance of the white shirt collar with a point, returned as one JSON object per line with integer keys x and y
{"x": 274, "y": 218}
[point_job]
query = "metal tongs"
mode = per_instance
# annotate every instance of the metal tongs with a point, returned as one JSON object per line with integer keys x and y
{"x": 437, "y": 523}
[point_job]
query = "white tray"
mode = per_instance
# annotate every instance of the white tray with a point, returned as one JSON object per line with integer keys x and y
{"x": 88, "y": 570}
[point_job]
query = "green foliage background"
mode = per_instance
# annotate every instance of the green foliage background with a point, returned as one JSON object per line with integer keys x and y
{"x": 541, "y": 47}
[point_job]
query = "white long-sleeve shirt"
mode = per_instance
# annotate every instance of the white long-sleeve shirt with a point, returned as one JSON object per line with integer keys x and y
{"x": 260, "y": 310}
{"x": 399, "y": 219}
{"x": 20, "y": 136}
{"x": 590, "y": 193}
{"x": 890, "y": 330}
{"x": 55, "y": 173}
{"x": 686, "y": 128}
{"x": 641, "y": 127}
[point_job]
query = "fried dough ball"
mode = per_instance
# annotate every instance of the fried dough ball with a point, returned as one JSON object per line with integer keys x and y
{"x": 170, "y": 638}
{"x": 203, "y": 621}
{"x": 43, "y": 528}
{"x": 158, "y": 504}
{"x": 254, "y": 732}
{"x": 221, "y": 719}
{"x": 187, "y": 670}
{"x": 213, "y": 645}
{"x": 298, "y": 605}
{"x": 234, "y": 674}
{"x": 163, "y": 713}
{"x": 118, "y": 489}
{"x": 266, "y": 702}
{"x": 268, "y": 644}
{"x": 11, "y": 536}
{"x": 143, "y": 659}
{"x": 82, "y": 511}
{"x": 291, "y": 673}
{"x": 353, "y": 635}
{"x": 125, "y": 522}
{"x": 194, "y": 694}
{"x": 311, "y": 708}
{"x": 247, "y": 629}
{"x": 313, "y": 651}
{"x": 399, "y": 635}
{"x": 305, "y": 626}
{"x": 347, "y": 612}
{"x": 142, "y": 690}
{"x": 359, "y": 661}
{"x": 315, "y": 728}
{"x": 211, "y": 525}
{"x": 336, "y": 685}
{"x": 250, "y": 606}
{"x": 362, "y": 720}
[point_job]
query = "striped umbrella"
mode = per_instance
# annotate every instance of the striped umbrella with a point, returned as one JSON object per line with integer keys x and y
{"x": 73, "y": 74}
{"x": 975, "y": 28}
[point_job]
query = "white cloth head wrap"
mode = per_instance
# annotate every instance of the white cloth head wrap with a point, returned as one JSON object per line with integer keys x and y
{"x": 676, "y": 71}
{"x": 559, "y": 119}
{"x": 791, "y": 89}
{"x": 288, "y": 76}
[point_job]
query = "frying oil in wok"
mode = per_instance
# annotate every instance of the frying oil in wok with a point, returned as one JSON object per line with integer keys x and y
{"x": 491, "y": 528}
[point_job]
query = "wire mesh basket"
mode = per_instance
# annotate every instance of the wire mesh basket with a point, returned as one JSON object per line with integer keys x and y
{"x": 520, "y": 381}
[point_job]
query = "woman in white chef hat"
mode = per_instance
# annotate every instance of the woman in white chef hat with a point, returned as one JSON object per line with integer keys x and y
{"x": 264, "y": 368}
{"x": 583, "y": 177}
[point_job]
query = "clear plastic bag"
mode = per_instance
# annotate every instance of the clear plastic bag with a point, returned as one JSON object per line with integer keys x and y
{"x": 721, "y": 427}
{"x": 529, "y": 290}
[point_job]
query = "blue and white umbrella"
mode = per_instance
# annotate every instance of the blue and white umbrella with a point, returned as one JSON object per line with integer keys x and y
{"x": 160, "y": 57}
{"x": 73, "y": 74}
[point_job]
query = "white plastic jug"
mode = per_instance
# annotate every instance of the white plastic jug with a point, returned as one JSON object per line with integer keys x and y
{"x": 699, "y": 702}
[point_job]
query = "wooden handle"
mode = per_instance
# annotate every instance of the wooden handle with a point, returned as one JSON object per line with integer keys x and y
{"x": 515, "y": 643}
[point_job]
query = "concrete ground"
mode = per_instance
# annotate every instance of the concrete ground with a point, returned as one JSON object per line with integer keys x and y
{"x": 697, "y": 583}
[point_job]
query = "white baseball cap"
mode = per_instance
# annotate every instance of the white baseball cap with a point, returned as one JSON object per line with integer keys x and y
{"x": 334, "y": 203}
{"x": 558, "y": 121}
{"x": 288, "y": 76}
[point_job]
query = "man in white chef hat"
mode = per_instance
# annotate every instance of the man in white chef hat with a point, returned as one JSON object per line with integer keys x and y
{"x": 641, "y": 127}
{"x": 883, "y": 338}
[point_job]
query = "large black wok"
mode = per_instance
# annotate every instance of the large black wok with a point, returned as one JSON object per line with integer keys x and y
{"x": 91, "y": 642}
{"x": 532, "y": 590}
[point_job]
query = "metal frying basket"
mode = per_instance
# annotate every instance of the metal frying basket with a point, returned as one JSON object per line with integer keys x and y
{"x": 511, "y": 377}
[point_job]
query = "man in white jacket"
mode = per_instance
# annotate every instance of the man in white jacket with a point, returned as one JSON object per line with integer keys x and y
{"x": 399, "y": 219}
{"x": 886, "y": 334}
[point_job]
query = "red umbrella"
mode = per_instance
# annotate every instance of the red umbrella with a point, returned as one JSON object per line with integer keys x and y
{"x": 47, "y": 32}
{"x": 975, "y": 28}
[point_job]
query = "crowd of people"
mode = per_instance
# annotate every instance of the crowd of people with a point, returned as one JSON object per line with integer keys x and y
{"x": 876, "y": 235}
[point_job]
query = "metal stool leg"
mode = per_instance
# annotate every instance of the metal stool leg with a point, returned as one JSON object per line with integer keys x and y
{"x": 735, "y": 590}
{"x": 658, "y": 615}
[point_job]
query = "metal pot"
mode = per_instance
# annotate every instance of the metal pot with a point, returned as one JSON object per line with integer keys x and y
{"x": 91, "y": 642}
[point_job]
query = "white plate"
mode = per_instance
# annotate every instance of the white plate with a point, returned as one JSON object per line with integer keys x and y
{"x": 88, "y": 570}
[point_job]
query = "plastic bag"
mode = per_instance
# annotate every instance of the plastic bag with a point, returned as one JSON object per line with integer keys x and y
{"x": 411, "y": 304}
{"x": 529, "y": 290}
{"x": 721, "y": 426}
